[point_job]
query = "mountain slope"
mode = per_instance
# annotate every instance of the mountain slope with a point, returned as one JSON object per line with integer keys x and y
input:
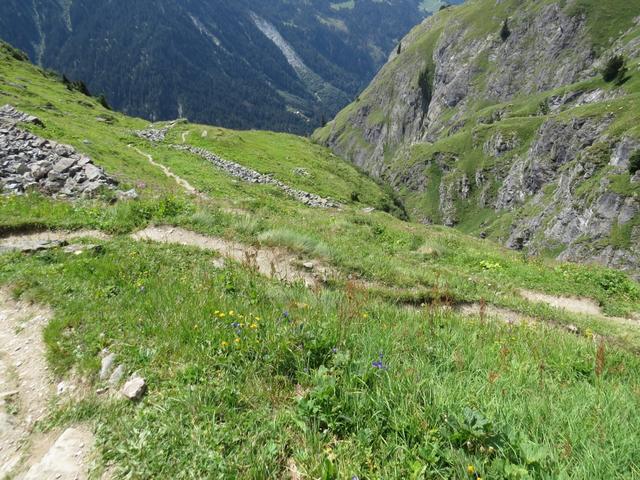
{"x": 517, "y": 138}
{"x": 277, "y": 338}
{"x": 226, "y": 63}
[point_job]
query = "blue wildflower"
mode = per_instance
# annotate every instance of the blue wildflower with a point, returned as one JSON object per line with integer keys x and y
{"x": 379, "y": 364}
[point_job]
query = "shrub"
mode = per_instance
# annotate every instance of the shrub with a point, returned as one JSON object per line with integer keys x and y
{"x": 615, "y": 69}
{"x": 634, "y": 162}
{"x": 505, "y": 32}
{"x": 355, "y": 196}
{"x": 102, "y": 100}
{"x": 14, "y": 52}
{"x": 76, "y": 85}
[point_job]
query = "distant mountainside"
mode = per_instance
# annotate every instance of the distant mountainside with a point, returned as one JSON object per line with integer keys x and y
{"x": 505, "y": 125}
{"x": 277, "y": 64}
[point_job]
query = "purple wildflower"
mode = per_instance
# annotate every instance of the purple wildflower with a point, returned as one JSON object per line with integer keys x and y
{"x": 379, "y": 364}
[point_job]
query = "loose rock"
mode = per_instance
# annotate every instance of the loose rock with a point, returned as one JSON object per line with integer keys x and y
{"x": 107, "y": 366}
{"x": 29, "y": 162}
{"x": 248, "y": 175}
{"x": 134, "y": 389}
{"x": 116, "y": 376}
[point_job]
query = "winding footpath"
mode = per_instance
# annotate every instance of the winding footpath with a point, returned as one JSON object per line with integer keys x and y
{"x": 26, "y": 389}
{"x": 179, "y": 180}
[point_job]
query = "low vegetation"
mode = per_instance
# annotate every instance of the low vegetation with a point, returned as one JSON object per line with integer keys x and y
{"x": 375, "y": 375}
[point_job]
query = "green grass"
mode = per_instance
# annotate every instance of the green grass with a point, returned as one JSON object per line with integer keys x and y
{"x": 513, "y": 401}
{"x": 456, "y": 392}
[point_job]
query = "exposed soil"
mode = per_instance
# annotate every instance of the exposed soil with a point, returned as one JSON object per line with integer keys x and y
{"x": 583, "y": 306}
{"x": 26, "y": 388}
{"x": 272, "y": 262}
{"x": 180, "y": 181}
{"x": 25, "y": 241}
{"x": 494, "y": 313}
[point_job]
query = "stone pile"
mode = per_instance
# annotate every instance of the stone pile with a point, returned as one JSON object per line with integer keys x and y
{"x": 153, "y": 134}
{"x": 157, "y": 135}
{"x": 248, "y": 175}
{"x": 29, "y": 162}
{"x": 10, "y": 116}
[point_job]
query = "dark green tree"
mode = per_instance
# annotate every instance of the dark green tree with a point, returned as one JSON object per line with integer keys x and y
{"x": 615, "y": 69}
{"x": 505, "y": 32}
{"x": 399, "y": 51}
{"x": 102, "y": 100}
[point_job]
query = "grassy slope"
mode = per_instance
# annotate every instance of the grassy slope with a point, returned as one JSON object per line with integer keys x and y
{"x": 605, "y": 23}
{"x": 218, "y": 411}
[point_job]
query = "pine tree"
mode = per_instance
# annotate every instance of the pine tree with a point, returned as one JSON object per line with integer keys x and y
{"x": 399, "y": 51}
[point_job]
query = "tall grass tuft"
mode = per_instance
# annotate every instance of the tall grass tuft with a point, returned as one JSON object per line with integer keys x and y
{"x": 295, "y": 241}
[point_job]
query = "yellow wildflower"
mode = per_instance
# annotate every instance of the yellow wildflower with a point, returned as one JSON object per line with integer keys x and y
{"x": 471, "y": 469}
{"x": 254, "y": 325}
{"x": 231, "y": 313}
{"x": 237, "y": 340}
{"x": 365, "y": 315}
{"x": 224, "y": 344}
{"x": 222, "y": 315}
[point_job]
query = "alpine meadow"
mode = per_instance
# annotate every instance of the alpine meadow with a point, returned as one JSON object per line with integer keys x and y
{"x": 440, "y": 282}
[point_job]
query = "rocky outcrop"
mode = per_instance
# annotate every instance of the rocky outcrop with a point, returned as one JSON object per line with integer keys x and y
{"x": 524, "y": 129}
{"x": 555, "y": 145}
{"x": 31, "y": 163}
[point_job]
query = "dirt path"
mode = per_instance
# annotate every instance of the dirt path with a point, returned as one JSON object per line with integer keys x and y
{"x": 494, "y": 313}
{"x": 26, "y": 388}
{"x": 272, "y": 262}
{"x": 184, "y": 136}
{"x": 39, "y": 240}
{"x": 180, "y": 181}
{"x": 583, "y": 306}
{"x": 580, "y": 306}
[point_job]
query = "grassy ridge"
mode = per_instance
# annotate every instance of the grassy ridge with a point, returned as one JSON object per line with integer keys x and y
{"x": 248, "y": 376}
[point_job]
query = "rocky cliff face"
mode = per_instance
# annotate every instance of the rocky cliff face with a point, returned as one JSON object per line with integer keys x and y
{"x": 507, "y": 129}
